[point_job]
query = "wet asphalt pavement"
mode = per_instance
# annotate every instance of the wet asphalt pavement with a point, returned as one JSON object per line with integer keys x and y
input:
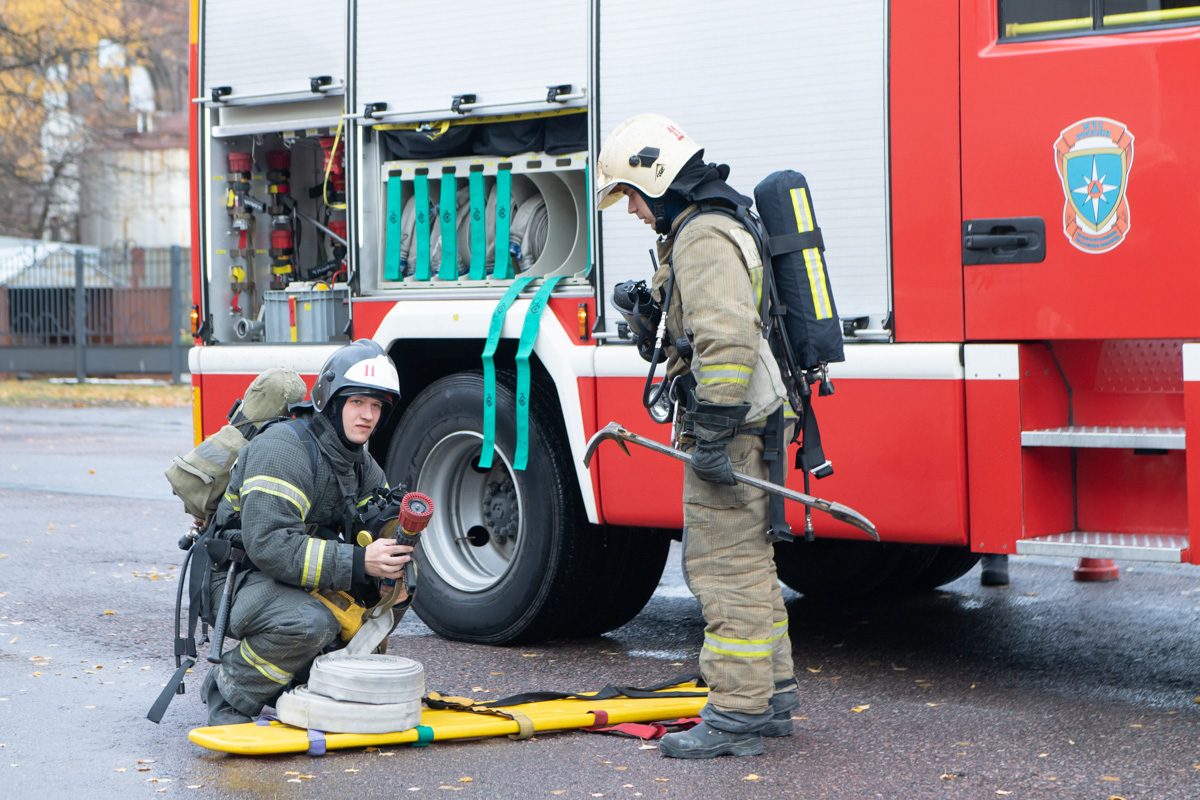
{"x": 1046, "y": 689}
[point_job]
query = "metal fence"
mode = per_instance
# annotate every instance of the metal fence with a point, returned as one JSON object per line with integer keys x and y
{"x": 95, "y": 311}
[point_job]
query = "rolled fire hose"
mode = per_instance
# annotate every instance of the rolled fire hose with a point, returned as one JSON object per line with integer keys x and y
{"x": 354, "y": 690}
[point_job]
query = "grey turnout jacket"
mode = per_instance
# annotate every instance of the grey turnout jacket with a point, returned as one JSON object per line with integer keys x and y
{"x": 281, "y": 505}
{"x": 716, "y": 302}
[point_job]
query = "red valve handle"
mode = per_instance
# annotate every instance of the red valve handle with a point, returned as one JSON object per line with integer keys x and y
{"x": 415, "y": 511}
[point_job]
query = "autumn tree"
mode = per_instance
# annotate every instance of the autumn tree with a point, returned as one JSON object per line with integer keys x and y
{"x": 65, "y": 69}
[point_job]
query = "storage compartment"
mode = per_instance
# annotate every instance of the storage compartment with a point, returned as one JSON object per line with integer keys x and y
{"x": 304, "y": 313}
{"x": 273, "y": 212}
{"x": 472, "y": 221}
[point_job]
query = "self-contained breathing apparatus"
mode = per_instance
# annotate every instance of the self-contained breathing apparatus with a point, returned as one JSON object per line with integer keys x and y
{"x": 799, "y": 321}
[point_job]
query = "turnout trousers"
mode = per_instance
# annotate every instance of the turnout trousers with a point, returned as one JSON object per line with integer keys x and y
{"x": 282, "y": 629}
{"x": 729, "y": 566}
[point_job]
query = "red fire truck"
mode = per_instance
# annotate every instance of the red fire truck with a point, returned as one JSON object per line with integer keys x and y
{"x": 1015, "y": 286}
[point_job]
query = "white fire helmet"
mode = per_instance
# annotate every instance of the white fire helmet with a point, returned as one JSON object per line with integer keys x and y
{"x": 645, "y": 152}
{"x": 362, "y": 367}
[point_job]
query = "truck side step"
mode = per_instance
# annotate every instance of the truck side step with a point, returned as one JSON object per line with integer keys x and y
{"x": 1122, "y": 546}
{"x": 1106, "y": 436}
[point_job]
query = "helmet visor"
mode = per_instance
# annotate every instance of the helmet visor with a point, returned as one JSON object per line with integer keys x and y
{"x": 609, "y": 193}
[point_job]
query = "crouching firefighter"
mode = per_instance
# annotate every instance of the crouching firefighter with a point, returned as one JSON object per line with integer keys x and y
{"x": 283, "y": 530}
{"x": 723, "y": 374}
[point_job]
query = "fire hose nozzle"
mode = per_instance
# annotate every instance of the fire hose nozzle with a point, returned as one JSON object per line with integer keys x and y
{"x": 415, "y": 511}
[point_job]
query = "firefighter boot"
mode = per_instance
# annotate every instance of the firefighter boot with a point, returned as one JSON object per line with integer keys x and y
{"x": 782, "y": 706}
{"x": 219, "y": 710}
{"x": 995, "y": 569}
{"x": 705, "y": 741}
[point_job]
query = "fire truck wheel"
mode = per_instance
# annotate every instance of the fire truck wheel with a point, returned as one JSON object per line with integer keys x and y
{"x": 948, "y": 564}
{"x": 501, "y": 560}
{"x": 629, "y": 569}
{"x": 836, "y": 569}
{"x": 909, "y": 575}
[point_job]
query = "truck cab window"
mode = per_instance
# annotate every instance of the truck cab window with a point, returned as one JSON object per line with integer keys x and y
{"x": 1025, "y": 19}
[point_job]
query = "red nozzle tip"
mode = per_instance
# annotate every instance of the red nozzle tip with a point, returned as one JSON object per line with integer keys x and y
{"x": 415, "y": 511}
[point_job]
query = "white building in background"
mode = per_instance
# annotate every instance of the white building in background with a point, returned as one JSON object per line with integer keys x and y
{"x": 136, "y": 191}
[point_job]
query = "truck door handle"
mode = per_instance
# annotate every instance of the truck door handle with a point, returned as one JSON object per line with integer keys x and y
{"x": 986, "y": 241}
{"x": 1015, "y": 240}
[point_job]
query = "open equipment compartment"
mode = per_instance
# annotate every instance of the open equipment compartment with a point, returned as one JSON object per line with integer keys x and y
{"x": 544, "y": 213}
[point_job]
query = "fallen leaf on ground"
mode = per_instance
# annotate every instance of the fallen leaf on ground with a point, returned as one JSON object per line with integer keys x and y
{"x": 1001, "y": 791}
{"x": 750, "y": 777}
{"x": 860, "y": 709}
{"x": 1109, "y": 778}
{"x": 465, "y": 780}
{"x": 818, "y": 669}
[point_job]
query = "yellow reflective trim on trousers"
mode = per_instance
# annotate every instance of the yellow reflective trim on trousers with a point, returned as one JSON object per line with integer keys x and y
{"x": 812, "y": 256}
{"x": 738, "y": 653}
{"x": 744, "y": 648}
{"x": 308, "y": 563}
{"x": 268, "y": 670}
{"x": 278, "y": 488}
{"x": 739, "y": 642}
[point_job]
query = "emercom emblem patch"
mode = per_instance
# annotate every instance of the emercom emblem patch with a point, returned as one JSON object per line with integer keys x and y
{"x": 1093, "y": 157}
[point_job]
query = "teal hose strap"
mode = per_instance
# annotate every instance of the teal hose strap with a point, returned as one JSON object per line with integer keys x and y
{"x": 448, "y": 270}
{"x": 503, "y": 267}
{"x": 424, "y": 736}
{"x": 421, "y": 193}
{"x": 392, "y": 269}
{"x": 478, "y": 228}
{"x": 529, "y": 332}
{"x": 489, "y": 370}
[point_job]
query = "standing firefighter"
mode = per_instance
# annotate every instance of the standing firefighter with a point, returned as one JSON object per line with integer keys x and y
{"x": 710, "y": 282}
{"x": 291, "y": 497}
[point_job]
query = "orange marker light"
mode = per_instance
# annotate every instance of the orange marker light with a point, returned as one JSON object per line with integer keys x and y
{"x": 583, "y": 322}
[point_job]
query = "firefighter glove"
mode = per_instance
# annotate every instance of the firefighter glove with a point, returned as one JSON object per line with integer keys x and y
{"x": 714, "y": 426}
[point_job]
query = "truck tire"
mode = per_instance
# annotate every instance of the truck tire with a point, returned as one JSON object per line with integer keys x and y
{"x": 909, "y": 575}
{"x": 836, "y": 569}
{"x": 502, "y": 556}
{"x": 629, "y": 568}
{"x": 948, "y": 564}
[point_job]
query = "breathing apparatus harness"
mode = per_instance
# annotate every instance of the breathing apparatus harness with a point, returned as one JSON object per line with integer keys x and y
{"x": 704, "y": 184}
